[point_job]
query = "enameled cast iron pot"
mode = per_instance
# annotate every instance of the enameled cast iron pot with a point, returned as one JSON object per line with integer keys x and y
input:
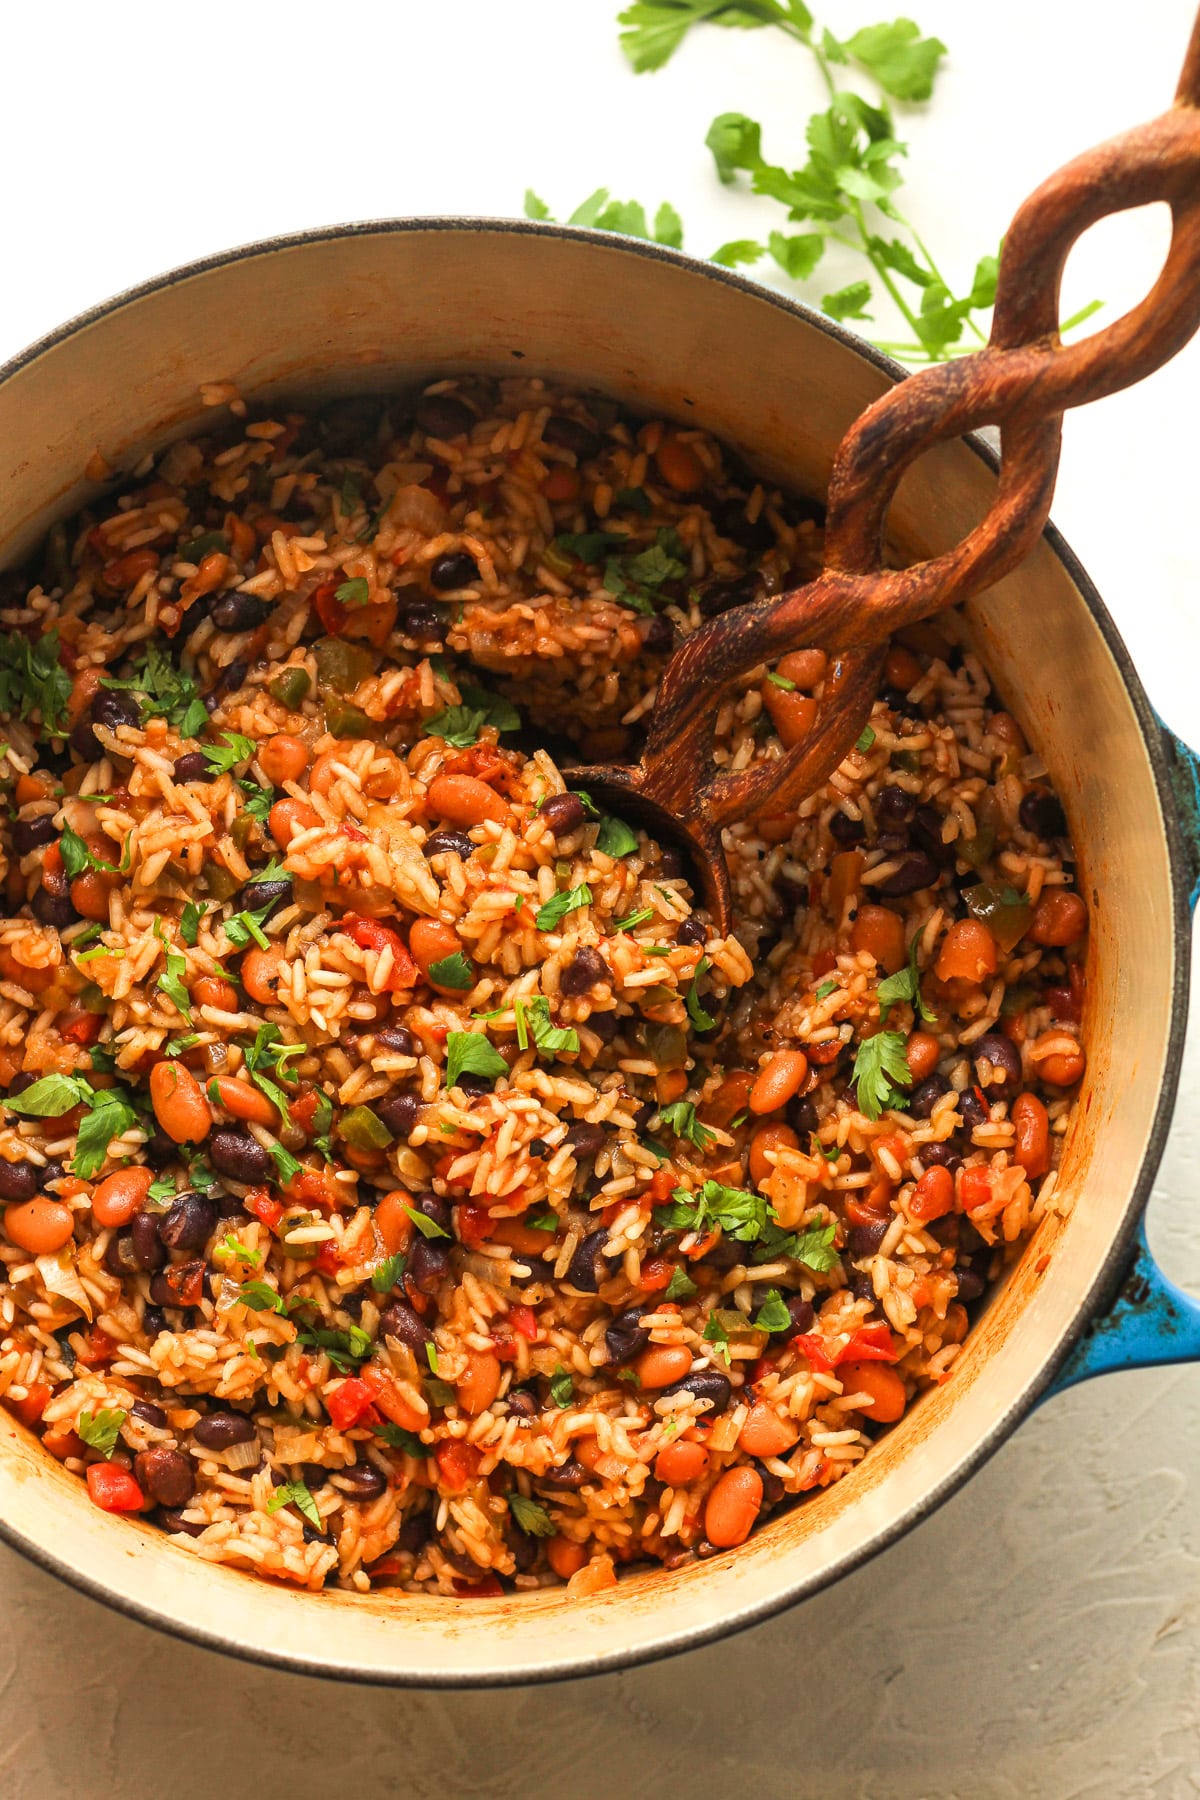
{"x": 380, "y": 306}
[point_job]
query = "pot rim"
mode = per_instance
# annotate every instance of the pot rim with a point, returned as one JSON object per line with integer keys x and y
{"x": 1113, "y": 1268}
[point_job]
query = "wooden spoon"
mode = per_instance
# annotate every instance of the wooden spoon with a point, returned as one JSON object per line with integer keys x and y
{"x": 1023, "y": 382}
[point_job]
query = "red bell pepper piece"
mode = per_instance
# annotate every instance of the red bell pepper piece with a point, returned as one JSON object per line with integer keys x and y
{"x": 812, "y": 1345}
{"x": 330, "y": 611}
{"x": 113, "y": 1488}
{"x": 524, "y": 1320}
{"x": 264, "y": 1206}
{"x": 975, "y": 1187}
{"x": 870, "y": 1343}
{"x": 458, "y": 1463}
{"x": 370, "y": 934}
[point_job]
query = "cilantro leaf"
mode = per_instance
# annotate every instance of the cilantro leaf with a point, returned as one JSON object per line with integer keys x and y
{"x": 460, "y": 725}
{"x": 740, "y": 1213}
{"x": 470, "y": 1053}
{"x": 165, "y": 692}
{"x": 189, "y": 924}
{"x": 262, "y": 1297}
{"x": 353, "y": 593}
{"x": 33, "y": 680}
{"x": 396, "y": 1438}
{"x": 557, "y": 908}
{"x": 881, "y": 1072}
{"x": 773, "y": 1314}
{"x": 428, "y": 1228}
{"x": 387, "y": 1273}
{"x": 530, "y": 1516}
{"x": 51, "y": 1097}
{"x": 535, "y": 208}
{"x": 716, "y": 1333}
{"x": 112, "y": 1114}
{"x": 551, "y": 1039}
{"x": 589, "y": 546}
{"x": 680, "y": 1286}
{"x": 452, "y": 972}
{"x": 701, "y": 1018}
{"x": 680, "y": 1116}
{"x": 615, "y": 838}
{"x": 233, "y": 749}
{"x": 101, "y": 1431}
{"x": 904, "y": 985}
{"x": 901, "y": 60}
{"x": 562, "y": 1388}
{"x": 345, "y": 1349}
{"x": 295, "y": 1493}
{"x": 737, "y": 252}
{"x": 171, "y": 984}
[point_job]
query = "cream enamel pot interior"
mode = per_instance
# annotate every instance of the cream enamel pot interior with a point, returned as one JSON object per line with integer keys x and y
{"x": 380, "y": 306}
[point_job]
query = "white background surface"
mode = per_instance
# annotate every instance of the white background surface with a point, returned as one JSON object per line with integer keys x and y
{"x": 1039, "y": 1639}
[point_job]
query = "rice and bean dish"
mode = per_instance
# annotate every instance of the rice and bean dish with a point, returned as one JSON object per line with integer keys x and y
{"x": 403, "y": 1183}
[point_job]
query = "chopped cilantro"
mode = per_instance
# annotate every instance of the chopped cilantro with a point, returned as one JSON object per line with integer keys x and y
{"x": 387, "y": 1273}
{"x": 615, "y": 838}
{"x": 396, "y": 1438}
{"x": 550, "y": 1038}
{"x": 470, "y": 1053}
{"x": 740, "y": 1213}
{"x": 101, "y": 1431}
{"x": 530, "y": 1516}
{"x": 557, "y": 908}
{"x": 427, "y": 1227}
{"x": 773, "y": 1314}
{"x": 680, "y": 1286}
{"x": 881, "y": 1072}
{"x": 33, "y": 680}
{"x": 680, "y": 1116}
{"x": 295, "y": 1493}
{"x": 165, "y": 692}
{"x": 634, "y": 919}
{"x": 701, "y": 1018}
{"x": 826, "y": 988}
{"x": 904, "y": 985}
{"x": 233, "y": 749}
{"x": 353, "y": 593}
{"x": 189, "y": 924}
{"x": 865, "y": 739}
{"x": 452, "y": 972}
{"x": 562, "y": 1388}
{"x": 460, "y": 725}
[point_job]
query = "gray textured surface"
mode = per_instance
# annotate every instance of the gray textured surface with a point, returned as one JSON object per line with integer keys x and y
{"x": 1039, "y": 1639}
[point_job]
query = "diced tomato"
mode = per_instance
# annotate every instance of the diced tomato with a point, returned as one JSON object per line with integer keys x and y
{"x": 315, "y": 1188}
{"x": 656, "y": 1274}
{"x": 330, "y": 611}
{"x": 351, "y": 1404}
{"x": 113, "y": 1489}
{"x": 97, "y": 1347}
{"x": 79, "y": 1027}
{"x": 524, "y": 1320}
{"x": 662, "y": 1184}
{"x": 458, "y": 1463}
{"x": 30, "y": 1409}
{"x": 824, "y": 1053}
{"x": 329, "y": 1259}
{"x": 975, "y": 1188}
{"x": 870, "y": 1343}
{"x": 304, "y": 1109}
{"x": 476, "y": 1225}
{"x": 504, "y": 1344}
{"x": 370, "y": 934}
{"x": 264, "y": 1206}
{"x": 824, "y": 963}
{"x": 487, "y": 1588}
{"x": 812, "y": 1345}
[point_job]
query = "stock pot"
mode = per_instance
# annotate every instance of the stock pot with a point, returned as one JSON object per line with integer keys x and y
{"x": 380, "y": 306}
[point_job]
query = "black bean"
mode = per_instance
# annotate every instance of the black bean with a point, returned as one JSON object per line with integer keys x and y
{"x": 396, "y": 1038}
{"x": 192, "y": 767}
{"x": 159, "y": 1149}
{"x": 845, "y": 830}
{"x": 916, "y": 871}
{"x": 83, "y": 739}
{"x": 30, "y": 834}
{"x": 897, "y": 701}
{"x": 443, "y": 416}
{"x": 706, "y": 1384}
{"x": 257, "y": 894}
{"x": 348, "y": 425}
{"x": 570, "y": 1474}
{"x": 52, "y": 1171}
{"x": 563, "y": 813}
{"x": 166, "y": 1475}
{"x": 53, "y": 909}
{"x": 119, "y": 1258}
{"x": 926, "y": 1095}
{"x": 724, "y": 1254}
{"x": 571, "y": 434}
{"x": 524, "y": 1548}
{"x": 400, "y": 1321}
{"x": 625, "y": 1335}
{"x": 428, "y": 1266}
{"x": 973, "y": 1108}
{"x": 862, "y": 1285}
{"x": 656, "y": 632}
{"x": 424, "y": 623}
{"x": 893, "y": 807}
{"x": 153, "y": 1322}
{"x": 476, "y": 1084}
{"x": 522, "y": 1403}
{"x": 941, "y": 1156}
{"x": 173, "y": 1521}
{"x": 586, "y": 1141}
{"x": 893, "y": 843}
{"x": 433, "y": 1206}
{"x": 314, "y": 1476}
{"x": 583, "y": 1272}
{"x": 149, "y": 1414}
{"x": 537, "y": 1147}
{"x": 233, "y": 1152}
{"x": 415, "y": 1533}
{"x": 927, "y": 833}
{"x": 454, "y": 570}
{"x": 1005, "y": 1059}
{"x": 449, "y": 843}
{"x": 239, "y": 612}
{"x": 691, "y": 931}
{"x": 772, "y": 1488}
{"x": 752, "y": 534}
{"x": 970, "y": 1284}
{"x": 864, "y": 1240}
{"x": 672, "y": 865}
{"x": 800, "y": 1318}
{"x": 148, "y": 1250}
{"x": 586, "y": 968}
{"x": 362, "y": 1481}
{"x": 228, "y": 681}
{"x": 112, "y": 709}
{"x": 219, "y": 1430}
{"x": 19, "y": 1180}
{"x": 801, "y": 1115}
{"x": 190, "y": 1222}
{"x": 399, "y": 1112}
{"x": 604, "y": 1024}
{"x": 1041, "y": 813}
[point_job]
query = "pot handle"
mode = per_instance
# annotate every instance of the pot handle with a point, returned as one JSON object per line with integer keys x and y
{"x": 1149, "y": 1320}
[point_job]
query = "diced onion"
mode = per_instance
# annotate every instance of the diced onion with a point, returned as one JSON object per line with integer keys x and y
{"x": 59, "y": 1276}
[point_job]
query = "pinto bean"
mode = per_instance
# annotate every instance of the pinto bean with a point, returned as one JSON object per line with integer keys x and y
{"x": 732, "y": 1507}
{"x": 243, "y": 1101}
{"x": 41, "y": 1226}
{"x": 1032, "y": 1127}
{"x": 478, "y": 1387}
{"x": 179, "y": 1106}
{"x": 465, "y": 800}
{"x": 663, "y": 1365}
{"x": 120, "y": 1195}
{"x": 778, "y": 1079}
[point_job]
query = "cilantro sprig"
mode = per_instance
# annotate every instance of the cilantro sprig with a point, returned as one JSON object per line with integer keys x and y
{"x": 881, "y": 1073}
{"x": 110, "y": 1113}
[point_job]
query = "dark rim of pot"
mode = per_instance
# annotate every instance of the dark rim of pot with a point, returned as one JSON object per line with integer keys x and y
{"x": 1116, "y": 1261}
